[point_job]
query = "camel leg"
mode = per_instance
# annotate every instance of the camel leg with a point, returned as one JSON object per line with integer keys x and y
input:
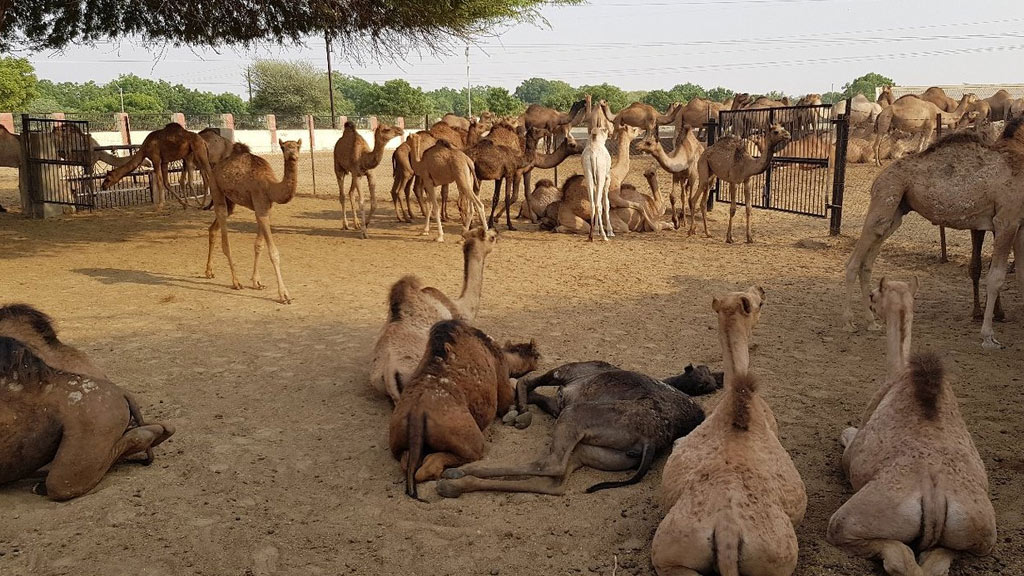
{"x": 82, "y": 460}
{"x": 508, "y": 202}
{"x": 859, "y": 266}
{"x": 936, "y": 562}
{"x": 977, "y": 242}
{"x": 444, "y": 203}
{"x": 354, "y": 193}
{"x": 371, "y": 189}
{"x": 606, "y": 215}
{"x": 396, "y": 198}
{"x": 214, "y": 228}
{"x": 996, "y": 275}
{"x": 525, "y": 206}
{"x": 257, "y": 284}
{"x": 732, "y": 211}
{"x": 748, "y": 209}
{"x": 410, "y": 187}
{"x": 429, "y": 212}
{"x": 263, "y": 221}
{"x": 494, "y": 200}
{"x": 595, "y": 216}
{"x": 221, "y": 212}
{"x": 437, "y": 214}
{"x": 547, "y": 475}
{"x": 341, "y": 200}
{"x": 475, "y": 204}
{"x": 672, "y": 203}
{"x": 874, "y": 523}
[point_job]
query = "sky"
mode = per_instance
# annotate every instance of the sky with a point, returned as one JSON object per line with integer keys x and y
{"x": 794, "y": 46}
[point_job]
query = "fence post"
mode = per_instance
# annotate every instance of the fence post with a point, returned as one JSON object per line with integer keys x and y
{"x": 373, "y": 123}
{"x": 943, "y": 254}
{"x": 272, "y": 127}
{"x": 711, "y": 131}
{"x": 121, "y": 119}
{"x": 178, "y": 118}
{"x": 7, "y": 121}
{"x": 312, "y": 144}
{"x": 839, "y": 172}
{"x": 400, "y": 122}
{"x": 342, "y": 120}
{"x": 228, "y": 120}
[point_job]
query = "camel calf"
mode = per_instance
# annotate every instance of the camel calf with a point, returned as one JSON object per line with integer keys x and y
{"x": 458, "y": 388}
{"x": 57, "y": 408}
{"x": 608, "y": 419}
{"x": 733, "y": 493}
{"x": 918, "y": 476}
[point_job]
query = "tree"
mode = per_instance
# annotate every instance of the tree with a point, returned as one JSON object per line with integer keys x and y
{"x": 393, "y": 98}
{"x": 720, "y": 94}
{"x": 614, "y": 95}
{"x": 775, "y": 95}
{"x": 687, "y": 92}
{"x": 831, "y": 97}
{"x": 288, "y": 88}
{"x": 561, "y": 97}
{"x": 351, "y": 89}
{"x": 228, "y": 103}
{"x": 17, "y": 83}
{"x": 383, "y": 29}
{"x": 502, "y": 103}
{"x": 540, "y": 90}
{"x": 660, "y": 99}
{"x": 866, "y": 85}
{"x": 442, "y": 100}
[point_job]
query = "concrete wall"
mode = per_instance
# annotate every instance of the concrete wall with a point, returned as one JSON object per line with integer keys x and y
{"x": 260, "y": 140}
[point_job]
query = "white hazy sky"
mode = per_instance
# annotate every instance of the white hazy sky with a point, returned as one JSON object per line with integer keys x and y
{"x": 795, "y": 46}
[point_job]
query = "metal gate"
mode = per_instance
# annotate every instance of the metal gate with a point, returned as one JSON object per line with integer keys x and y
{"x": 806, "y": 176}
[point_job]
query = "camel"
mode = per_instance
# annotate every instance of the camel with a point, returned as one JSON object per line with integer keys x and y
{"x": 607, "y": 418}
{"x": 597, "y": 165}
{"x": 916, "y": 116}
{"x": 554, "y": 122}
{"x": 11, "y": 154}
{"x": 938, "y": 97}
{"x": 537, "y": 201}
{"x": 681, "y": 164}
{"x": 863, "y": 112}
{"x": 961, "y": 183}
{"x": 807, "y": 120}
{"x": 568, "y": 147}
{"x": 168, "y": 144}
{"x": 861, "y": 151}
{"x": 732, "y": 492}
{"x": 413, "y": 308}
{"x": 456, "y": 121}
{"x": 1014, "y": 109}
{"x": 440, "y": 165}
{"x": 885, "y": 97}
{"x": 352, "y": 156}
{"x": 247, "y": 180}
{"x": 921, "y": 487}
{"x": 645, "y": 117}
{"x": 499, "y": 163}
{"x": 72, "y": 144}
{"x": 728, "y": 160}
{"x": 571, "y": 212}
{"x": 57, "y": 408}
{"x": 218, "y": 148}
{"x": 699, "y": 112}
{"x": 455, "y": 393}
{"x": 998, "y": 104}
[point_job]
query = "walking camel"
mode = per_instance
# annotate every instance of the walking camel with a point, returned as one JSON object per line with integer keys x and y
{"x": 168, "y": 144}
{"x": 961, "y": 183}
{"x": 352, "y": 156}
{"x": 918, "y": 478}
{"x": 58, "y": 409}
{"x": 729, "y": 161}
{"x": 439, "y": 165}
{"x": 681, "y": 164}
{"x": 245, "y": 179}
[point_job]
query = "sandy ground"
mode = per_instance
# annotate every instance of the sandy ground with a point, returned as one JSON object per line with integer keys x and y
{"x": 280, "y": 463}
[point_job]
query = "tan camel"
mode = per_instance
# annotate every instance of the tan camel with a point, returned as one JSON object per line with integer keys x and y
{"x": 537, "y": 201}
{"x": 168, "y": 144}
{"x": 1015, "y": 109}
{"x": 72, "y": 144}
{"x": 455, "y": 393}
{"x": 353, "y": 156}
{"x": 403, "y": 177}
{"x": 863, "y": 112}
{"x": 885, "y": 97}
{"x": 732, "y": 492}
{"x": 456, "y": 121}
{"x": 439, "y": 165}
{"x": 645, "y": 117}
{"x": 807, "y": 121}
{"x": 918, "y": 478}
{"x": 571, "y": 212}
{"x": 728, "y": 160}
{"x": 681, "y": 164}
{"x": 11, "y": 154}
{"x": 938, "y": 96}
{"x": 959, "y": 182}
{"x": 247, "y": 180}
{"x": 413, "y": 308}
{"x": 218, "y": 148}
{"x": 58, "y": 409}
{"x": 916, "y": 116}
{"x": 998, "y": 104}
{"x": 555, "y": 123}
{"x": 862, "y": 151}
{"x": 699, "y": 112}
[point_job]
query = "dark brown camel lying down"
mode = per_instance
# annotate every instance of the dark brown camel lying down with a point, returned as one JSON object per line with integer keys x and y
{"x": 57, "y": 408}
{"x": 607, "y": 418}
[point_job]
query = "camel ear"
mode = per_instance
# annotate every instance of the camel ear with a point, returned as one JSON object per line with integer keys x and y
{"x": 300, "y": 142}
{"x": 688, "y": 369}
{"x": 757, "y": 290}
{"x": 715, "y": 304}
{"x": 881, "y": 284}
{"x": 280, "y": 143}
{"x": 915, "y": 283}
{"x": 747, "y": 306}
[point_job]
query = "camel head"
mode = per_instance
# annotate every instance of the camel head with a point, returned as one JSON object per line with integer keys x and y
{"x": 648, "y": 145}
{"x": 778, "y": 136}
{"x": 892, "y": 296}
{"x": 386, "y": 132}
{"x": 599, "y": 135}
{"x": 109, "y": 181}
{"x": 290, "y": 149}
{"x": 740, "y": 100}
{"x": 479, "y": 239}
{"x": 743, "y": 307}
{"x": 522, "y": 358}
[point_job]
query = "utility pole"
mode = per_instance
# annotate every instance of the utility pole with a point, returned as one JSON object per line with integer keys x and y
{"x": 248, "y": 79}
{"x": 330, "y": 81}
{"x": 469, "y": 86}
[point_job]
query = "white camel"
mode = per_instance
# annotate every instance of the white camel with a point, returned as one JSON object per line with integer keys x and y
{"x": 597, "y": 166}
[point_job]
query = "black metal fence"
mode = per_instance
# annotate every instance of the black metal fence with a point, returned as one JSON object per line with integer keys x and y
{"x": 805, "y": 176}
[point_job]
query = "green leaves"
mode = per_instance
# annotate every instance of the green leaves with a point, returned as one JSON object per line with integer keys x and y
{"x": 17, "y": 83}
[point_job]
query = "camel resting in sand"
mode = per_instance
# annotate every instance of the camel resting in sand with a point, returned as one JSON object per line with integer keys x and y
{"x": 57, "y": 408}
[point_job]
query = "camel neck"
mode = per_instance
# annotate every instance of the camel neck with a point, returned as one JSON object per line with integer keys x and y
{"x": 735, "y": 351}
{"x": 284, "y": 191}
{"x": 898, "y": 328}
{"x": 472, "y": 281}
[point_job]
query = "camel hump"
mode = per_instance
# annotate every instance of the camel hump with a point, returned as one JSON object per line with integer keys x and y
{"x": 349, "y": 125}
{"x": 544, "y": 183}
{"x": 743, "y": 389}
{"x": 927, "y": 375}
{"x": 36, "y": 321}
{"x": 399, "y": 294}
{"x": 442, "y": 335}
{"x": 239, "y": 148}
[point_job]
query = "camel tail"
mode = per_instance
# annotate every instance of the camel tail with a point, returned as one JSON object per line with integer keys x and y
{"x": 933, "y": 513}
{"x": 416, "y": 426}
{"x": 646, "y": 459}
{"x": 743, "y": 389}
{"x": 725, "y": 542}
{"x": 926, "y": 376}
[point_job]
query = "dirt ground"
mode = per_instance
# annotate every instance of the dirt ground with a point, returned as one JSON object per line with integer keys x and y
{"x": 280, "y": 463}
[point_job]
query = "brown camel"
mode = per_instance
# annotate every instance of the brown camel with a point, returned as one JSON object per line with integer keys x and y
{"x": 247, "y": 180}
{"x": 552, "y": 121}
{"x": 352, "y": 156}
{"x": 168, "y": 144}
{"x": 961, "y": 183}
{"x": 938, "y": 96}
{"x": 442, "y": 164}
{"x": 403, "y": 177}
{"x": 413, "y": 308}
{"x": 57, "y": 408}
{"x": 916, "y": 116}
{"x": 863, "y": 112}
{"x": 500, "y": 163}
{"x": 457, "y": 390}
{"x": 456, "y": 121}
{"x": 568, "y": 147}
{"x": 699, "y": 112}
{"x": 681, "y": 164}
{"x": 607, "y": 419}
{"x": 218, "y": 148}
{"x": 11, "y": 154}
{"x": 999, "y": 104}
{"x": 921, "y": 487}
{"x": 571, "y": 212}
{"x": 885, "y": 97}
{"x": 645, "y": 117}
{"x": 1015, "y": 109}
{"x": 72, "y": 144}
{"x": 729, "y": 161}
{"x": 732, "y": 494}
